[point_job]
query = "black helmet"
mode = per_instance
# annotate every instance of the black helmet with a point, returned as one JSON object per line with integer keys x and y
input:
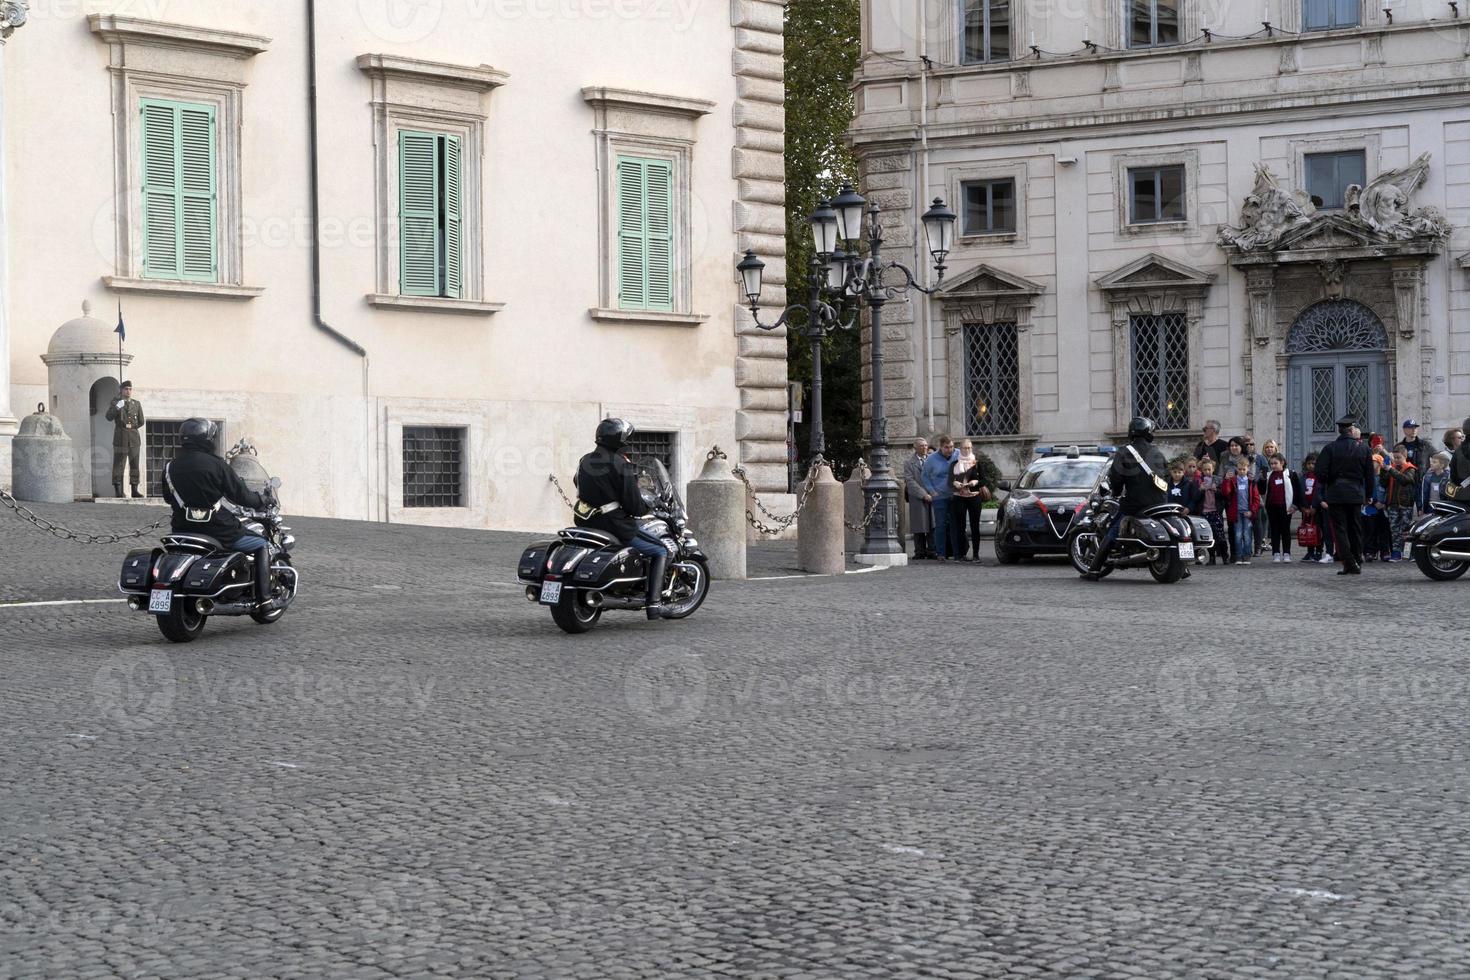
{"x": 199, "y": 432}
{"x": 614, "y": 433}
{"x": 1141, "y": 428}
{"x": 1465, "y": 426}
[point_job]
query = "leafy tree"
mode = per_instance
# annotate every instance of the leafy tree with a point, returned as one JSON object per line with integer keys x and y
{"x": 822, "y": 50}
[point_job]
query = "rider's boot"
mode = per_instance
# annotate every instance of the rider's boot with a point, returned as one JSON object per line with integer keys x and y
{"x": 654, "y": 605}
{"x": 1099, "y": 557}
{"x": 264, "y": 600}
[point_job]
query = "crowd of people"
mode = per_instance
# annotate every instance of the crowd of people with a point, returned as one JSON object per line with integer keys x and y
{"x": 946, "y": 489}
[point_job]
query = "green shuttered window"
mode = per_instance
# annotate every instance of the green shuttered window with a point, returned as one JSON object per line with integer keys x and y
{"x": 180, "y": 191}
{"x": 430, "y": 215}
{"x": 645, "y": 234}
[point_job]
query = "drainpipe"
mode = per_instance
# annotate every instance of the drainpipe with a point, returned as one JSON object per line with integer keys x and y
{"x": 316, "y": 255}
{"x": 921, "y": 185}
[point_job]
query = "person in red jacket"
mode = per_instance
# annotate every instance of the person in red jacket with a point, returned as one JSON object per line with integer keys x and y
{"x": 1242, "y": 506}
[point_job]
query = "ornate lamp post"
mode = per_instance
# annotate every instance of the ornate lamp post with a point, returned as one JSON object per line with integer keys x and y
{"x": 849, "y": 271}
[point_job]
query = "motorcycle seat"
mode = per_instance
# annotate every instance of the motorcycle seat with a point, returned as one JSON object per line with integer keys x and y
{"x": 587, "y": 534}
{"x": 202, "y": 540}
{"x": 1161, "y": 510}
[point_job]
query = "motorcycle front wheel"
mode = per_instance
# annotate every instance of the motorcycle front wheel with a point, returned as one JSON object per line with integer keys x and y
{"x": 1081, "y": 546}
{"x": 690, "y": 585}
{"x": 574, "y": 614}
{"x": 1168, "y": 568}
{"x": 1439, "y": 571}
{"x": 184, "y": 622}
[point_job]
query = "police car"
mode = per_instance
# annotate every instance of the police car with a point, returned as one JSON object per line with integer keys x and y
{"x": 1039, "y": 509}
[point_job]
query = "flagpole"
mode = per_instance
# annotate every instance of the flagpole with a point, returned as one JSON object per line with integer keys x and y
{"x": 119, "y": 345}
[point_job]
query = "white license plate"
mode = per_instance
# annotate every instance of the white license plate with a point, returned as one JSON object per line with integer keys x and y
{"x": 550, "y": 593}
{"x": 160, "y": 601}
{"x": 1186, "y": 550}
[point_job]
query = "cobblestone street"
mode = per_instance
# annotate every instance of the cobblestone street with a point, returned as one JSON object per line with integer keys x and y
{"x": 939, "y": 770}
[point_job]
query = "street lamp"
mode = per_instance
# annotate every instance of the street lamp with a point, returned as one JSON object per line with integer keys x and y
{"x": 847, "y": 272}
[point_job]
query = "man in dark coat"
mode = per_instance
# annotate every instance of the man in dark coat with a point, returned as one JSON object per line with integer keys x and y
{"x": 608, "y": 500}
{"x": 1417, "y": 448}
{"x": 1460, "y": 468}
{"x": 1211, "y": 447}
{"x": 1137, "y": 476}
{"x": 126, "y": 415}
{"x": 1346, "y": 474}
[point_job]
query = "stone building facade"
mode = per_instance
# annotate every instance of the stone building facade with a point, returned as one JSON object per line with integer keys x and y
{"x": 1175, "y": 209}
{"x": 525, "y": 218}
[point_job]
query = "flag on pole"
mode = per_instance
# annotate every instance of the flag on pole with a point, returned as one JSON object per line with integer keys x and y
{"x": 120, "y": 330}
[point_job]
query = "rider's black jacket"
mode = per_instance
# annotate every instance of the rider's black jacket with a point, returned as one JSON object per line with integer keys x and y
{"x": 1346, "y": 471}
{"x": 1128, "y": 481}
{"x": 202, "y": 479}
{"x": 1460, "y": 463}
{"x": 605, "y": 477}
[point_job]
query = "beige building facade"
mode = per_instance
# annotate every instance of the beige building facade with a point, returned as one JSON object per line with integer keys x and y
{"x": 1185, "y": 210}
{"x": 525, "y": 218}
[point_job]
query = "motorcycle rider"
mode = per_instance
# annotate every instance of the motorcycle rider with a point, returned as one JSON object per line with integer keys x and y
{"x": 1460, "y": 470}
{"x": 608, "y": 500}
{"x": 199, "y": 483}
{"x": 1136, "y": 478}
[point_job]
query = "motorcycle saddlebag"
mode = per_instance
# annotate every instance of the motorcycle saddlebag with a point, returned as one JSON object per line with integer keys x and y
{"x": 601, "y": 567}
{"x": 136, "y": 569}
{"x": 1150, "y": 531}
{"x": 532, "y": 565}
{"x": 1204, "y": 535}
{"x": 213, "y": 572}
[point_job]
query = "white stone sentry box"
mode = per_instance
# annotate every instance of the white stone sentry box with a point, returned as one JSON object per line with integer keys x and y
{"x": 82, "y": 364}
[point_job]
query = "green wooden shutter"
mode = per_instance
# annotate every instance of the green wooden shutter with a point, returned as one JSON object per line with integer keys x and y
{"x": 453, "y": 220}
{"x": 180, "y": 191}
{"x": 631, "y": 240}
{"x": 418, "y": 214}
{"x": 659, "y": 235}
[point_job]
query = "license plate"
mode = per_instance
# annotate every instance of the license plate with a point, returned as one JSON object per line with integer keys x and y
{"x": 160, "y": 601}
{"x": 550, "y": 593}
{"x": 1186, "y": 550}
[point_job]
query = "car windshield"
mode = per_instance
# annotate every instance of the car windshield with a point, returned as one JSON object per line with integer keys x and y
{"x": 1061, "y": 474}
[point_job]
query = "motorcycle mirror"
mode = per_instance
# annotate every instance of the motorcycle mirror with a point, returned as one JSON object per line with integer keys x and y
{"x": 275, "y": 483}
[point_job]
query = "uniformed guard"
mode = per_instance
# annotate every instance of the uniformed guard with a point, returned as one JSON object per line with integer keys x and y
{"x": 1346, "y": 473}
{"x": 126, "y": 416}
{"x": 1136, "y": 478}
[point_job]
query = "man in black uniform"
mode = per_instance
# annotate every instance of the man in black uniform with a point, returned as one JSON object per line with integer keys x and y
{"x": 608, "y": 500}
{"x": 1345, "y": 471}
{"x": 1136, "y": 478}
{"x": 1460, "y": 470}
{"x": 198, "y": 483}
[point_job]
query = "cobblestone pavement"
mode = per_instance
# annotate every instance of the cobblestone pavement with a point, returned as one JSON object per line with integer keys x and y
{"x": 941, "y": 771}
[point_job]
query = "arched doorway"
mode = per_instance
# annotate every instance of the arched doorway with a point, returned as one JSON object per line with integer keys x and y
{"x": 103, "y": 391}
{"x": 1337, "y": 365}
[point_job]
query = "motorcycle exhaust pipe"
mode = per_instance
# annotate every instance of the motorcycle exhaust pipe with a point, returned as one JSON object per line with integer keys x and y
{"x": 1439, "y": 554}
{"x": 206, "y": 607}
{"x": 594, "y": 599}
{"x": 611, "y": 603}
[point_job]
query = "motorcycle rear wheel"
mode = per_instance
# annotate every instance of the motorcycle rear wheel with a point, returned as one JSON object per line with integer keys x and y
{"x": 184, "y": 622}
{"x": 1439, "y": 571}
{"x": 1168, "y": 568}
{"x": 573, "y": 614}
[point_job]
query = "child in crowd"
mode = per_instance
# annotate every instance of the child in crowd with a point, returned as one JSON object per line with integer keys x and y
{"x": 1283, "y": 492}
{"x": 1311, "y": 507}
{"x": 1242, "y": 505}
{"x": 1431, "y": 488}
{"x": 1377, "y": 539}
{"x": 1400, "y": 481}
{"x": 1210, "y": 506}
{"x": 1182, "y": 490}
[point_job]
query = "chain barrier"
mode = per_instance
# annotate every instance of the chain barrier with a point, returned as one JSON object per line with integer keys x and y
{"x": 872, "y": 510}
{"x": 562, "y": 493}
{"x": 66, "y": 533}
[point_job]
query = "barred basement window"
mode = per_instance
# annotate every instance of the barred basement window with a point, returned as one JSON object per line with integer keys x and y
{"x": 433, "y": 466}
{"x": 161, "y": 443}
{"x": 992, "y": 380}
{"x": 646, "y": 446}
{"x": 1161, "y": 369}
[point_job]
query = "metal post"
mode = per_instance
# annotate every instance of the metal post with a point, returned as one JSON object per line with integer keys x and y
{"x": 881, "y": 545}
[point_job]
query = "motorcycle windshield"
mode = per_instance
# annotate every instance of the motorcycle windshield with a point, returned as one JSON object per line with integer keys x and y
{"x": 654, "y": 479}
{"x": 249, "y": 470}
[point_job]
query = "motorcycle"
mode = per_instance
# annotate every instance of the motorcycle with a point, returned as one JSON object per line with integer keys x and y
{"x": 1440, "y": 541}
{"x": 1165, "y": 539}
{"x": 191, "y": 577}
{"x": 584, "y": 572}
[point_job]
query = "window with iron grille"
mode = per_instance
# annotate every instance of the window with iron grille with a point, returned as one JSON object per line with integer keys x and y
{"x": 987, "y": 31}
{"x": 1330, "y": 174}
{"x": 1161, "y": 369}
{"x": 646, "y": 446}
{"x": 1152, "y": 23}
{"x": 990, "y": 206}
{"x": 161, "y": 442}
{"x": 992, "y": 380}
{"x": 1156, "y": 194}
{"x": 433, "y": 466}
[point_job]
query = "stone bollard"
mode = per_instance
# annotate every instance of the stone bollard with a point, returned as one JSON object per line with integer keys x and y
{"x": 40, "y": 462}
{"x": 854, "y": 507}
{"x": 819, "y": 530}
{"x": 717, "y": 517}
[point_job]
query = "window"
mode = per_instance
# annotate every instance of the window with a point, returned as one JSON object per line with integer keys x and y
{"x": 433, "y": 466}
{"x": 179, "y": 191}
{"x": 647, "y": 446}
{"x": 990, "y": 206}
{"x": 161, "y": 442}
{"x": 987, "y": 31}
{"x": 1161, "y": 368}
{"x": 992, "y": 380}
{"x": 645, "y": 234}
{"x": 1155, "y": 194}
{"x": 430, "y": 224}
{"x": 1152, "y": 23}
{"x": 1329, "y": 174}
{"x": 1327, "y": 15}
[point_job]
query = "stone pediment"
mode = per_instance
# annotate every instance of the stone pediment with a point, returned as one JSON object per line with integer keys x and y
{"x": 1328, "y": 231}
{"x": 988, "y": 282}
{"x": 1154, "y": 271}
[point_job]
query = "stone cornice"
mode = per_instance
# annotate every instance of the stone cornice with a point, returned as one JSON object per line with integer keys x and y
{"x": 481, "y": 78}
{"x": 604, "y": 98}
{"x": 115, "y": 29}
{"x": 13, "y": 14}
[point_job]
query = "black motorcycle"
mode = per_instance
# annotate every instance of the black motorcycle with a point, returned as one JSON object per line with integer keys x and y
{"x": 1440, "y": 541}
{"x": 193, "y": 576}
{"x": 1165, "y": 539}
{"x": 585, "y": 572}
